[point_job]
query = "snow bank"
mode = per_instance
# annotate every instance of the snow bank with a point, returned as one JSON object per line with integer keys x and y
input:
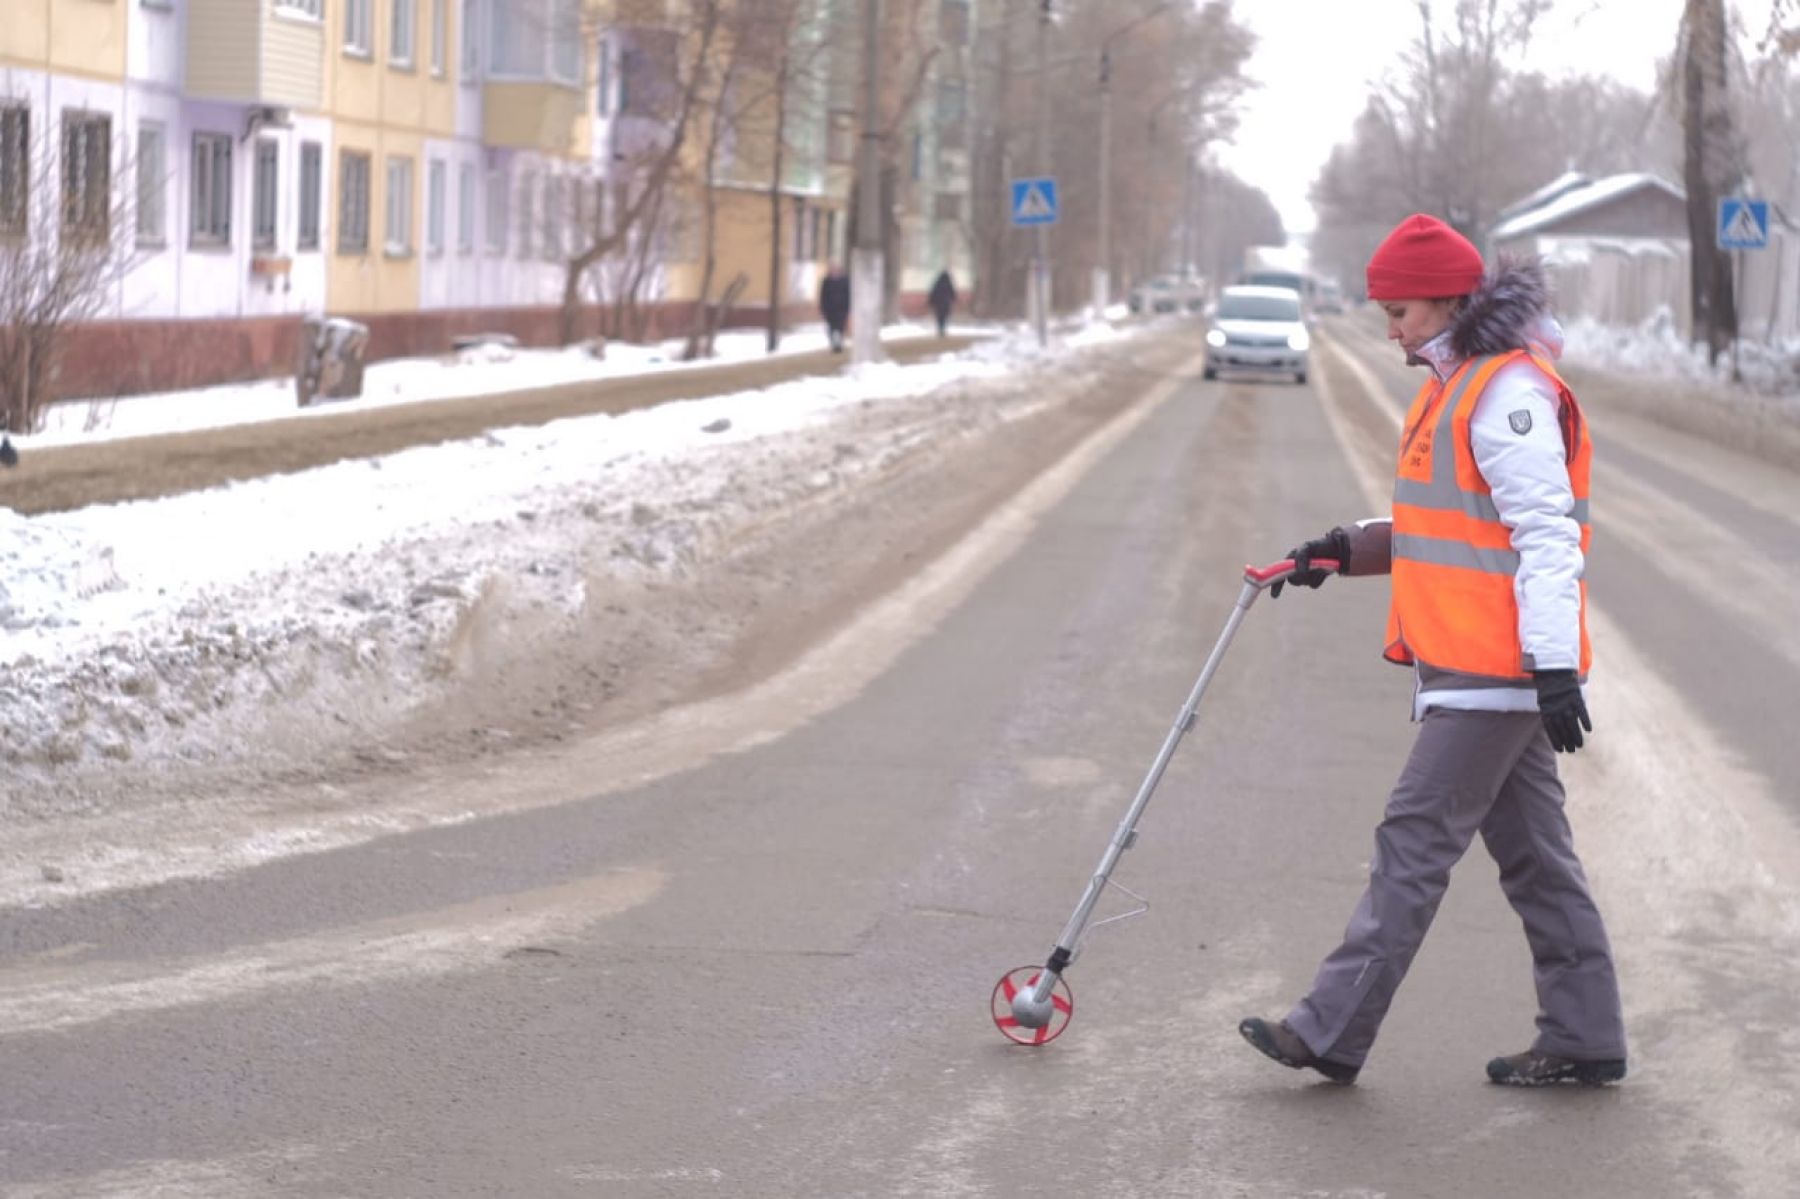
{"x": 1657, "y": 348}
{"x": 272, "y": 612}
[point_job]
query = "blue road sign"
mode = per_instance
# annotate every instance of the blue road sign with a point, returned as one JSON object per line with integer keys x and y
{"x": 1034, "y": 201}
{"x": 1743, "y": 224}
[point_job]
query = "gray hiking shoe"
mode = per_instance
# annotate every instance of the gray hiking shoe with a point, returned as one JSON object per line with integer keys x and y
{"x": 1274, "y": 1039}
{"x": 1534, "y": 1069}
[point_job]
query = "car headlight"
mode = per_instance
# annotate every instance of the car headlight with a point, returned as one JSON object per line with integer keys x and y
{"x": 1298, "y": 341}
{"x": 1215, "y": 338}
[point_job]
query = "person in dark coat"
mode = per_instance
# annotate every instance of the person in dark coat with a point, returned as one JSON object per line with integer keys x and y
{"x": 834, "y": 305}
{"x": 943, "y": 299}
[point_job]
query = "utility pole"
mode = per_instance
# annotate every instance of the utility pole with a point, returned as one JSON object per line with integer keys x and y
{"x": 1102, "y": 269}
{"x": 1040, "y": 266}
{"x": 867, "y": 287}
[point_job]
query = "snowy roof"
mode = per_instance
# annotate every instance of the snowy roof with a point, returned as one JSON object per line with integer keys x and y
{"x": 1566, "y": 181}
{"x": 1580, "y": 199}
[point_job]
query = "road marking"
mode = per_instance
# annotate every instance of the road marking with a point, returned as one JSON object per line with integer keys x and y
{"x": 45, "y": 997}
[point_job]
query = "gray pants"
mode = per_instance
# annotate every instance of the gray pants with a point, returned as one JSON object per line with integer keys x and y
{"x": 1493, "y": 773}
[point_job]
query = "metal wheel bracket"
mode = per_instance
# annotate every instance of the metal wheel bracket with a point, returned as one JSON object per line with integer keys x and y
{"x": 1142, "y": 902}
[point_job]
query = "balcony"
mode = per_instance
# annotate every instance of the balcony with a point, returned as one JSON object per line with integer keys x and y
{"x": 523, "y": 115}
{"x": 261, "y": 54}
{"x": 534, "y": 90}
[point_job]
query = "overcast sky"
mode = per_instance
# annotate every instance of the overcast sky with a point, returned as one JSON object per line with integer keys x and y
{"x": 1316, "y": 59}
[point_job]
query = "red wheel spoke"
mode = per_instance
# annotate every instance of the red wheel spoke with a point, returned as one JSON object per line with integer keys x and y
{"x": 1020, "y": 981}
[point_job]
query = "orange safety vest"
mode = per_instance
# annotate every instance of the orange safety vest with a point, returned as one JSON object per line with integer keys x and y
{"x": 1453, "y": 563}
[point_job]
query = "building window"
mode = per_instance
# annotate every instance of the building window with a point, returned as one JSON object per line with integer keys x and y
{"x": 471, "y": 49}
{"x": 15, "y": 170}
{"x": 353, "y": 202}
{"x": 952, "y": 114}
{"x": 496, "y": 212}
{"x": 518, "y": 46}
{"x": 603, "y": 69}
{"x": 918, "y": 154}
{"x": 400, "y": 32}
{"x": 649, "y": 73}
{"x": 554, "y": 202}
{"x": 840, "y": 138}
{"x": 87, "y": 175}
{"x": 953, "y": 23}
{"x": 437, "y": 195}
{"x": 312, "y": 188}
{"x": 527, "y": 212}
{"x": 305, "y": 8}
{"x": 152, "y": 171}
{"x": 440, "y": 35}
{"x": 799, "y": 254}
{"x": 210, "y": 223}
{"x": 264, "y": 193}
{"x": 947, "y": 206}
{"x": 565, "y": 41}
{"x": 359, "y": 26}
{"x": 398, "y": 239}
{"x": 465, "y": 209}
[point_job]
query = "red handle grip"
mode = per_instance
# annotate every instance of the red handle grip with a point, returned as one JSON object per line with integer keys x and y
{"x": 1262, "y": 576}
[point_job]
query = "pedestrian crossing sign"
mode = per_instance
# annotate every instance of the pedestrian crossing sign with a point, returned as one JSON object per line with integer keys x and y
{"x": 1743, "y": 224}
{"x": 1034, "y": 201}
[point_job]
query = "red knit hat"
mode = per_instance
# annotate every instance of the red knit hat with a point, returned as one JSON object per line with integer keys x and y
{"x": 1423, "y": 259}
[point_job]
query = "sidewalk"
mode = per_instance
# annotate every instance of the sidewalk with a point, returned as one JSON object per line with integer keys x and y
{"x": 166, "y": 445}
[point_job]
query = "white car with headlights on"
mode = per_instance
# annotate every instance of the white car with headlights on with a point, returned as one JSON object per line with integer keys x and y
{"x": 1258, "y": 329}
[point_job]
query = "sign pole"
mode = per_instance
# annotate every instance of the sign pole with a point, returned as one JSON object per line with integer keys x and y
{"x": 1737, "y": 312}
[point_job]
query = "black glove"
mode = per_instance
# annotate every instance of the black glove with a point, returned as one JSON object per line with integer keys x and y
{"x": 1560, "y": 704}
{"x": 1334, "y": 545}
{"x": 8, "y": 455}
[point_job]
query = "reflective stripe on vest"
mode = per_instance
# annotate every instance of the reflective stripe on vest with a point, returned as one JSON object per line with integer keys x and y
{"x": 1454, "y": 608}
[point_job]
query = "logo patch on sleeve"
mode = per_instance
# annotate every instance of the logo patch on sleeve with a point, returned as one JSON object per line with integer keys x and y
{"x": 1520, "y": 422}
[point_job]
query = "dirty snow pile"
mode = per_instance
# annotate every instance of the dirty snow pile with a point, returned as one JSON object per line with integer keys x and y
{"x": 177, "y": 629}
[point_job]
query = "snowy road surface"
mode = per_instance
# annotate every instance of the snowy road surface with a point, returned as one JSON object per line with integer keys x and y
{"x": 734, "y": 934}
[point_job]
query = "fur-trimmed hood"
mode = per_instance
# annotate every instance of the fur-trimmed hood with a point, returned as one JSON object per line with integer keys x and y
{"x": 1509, "y": 310}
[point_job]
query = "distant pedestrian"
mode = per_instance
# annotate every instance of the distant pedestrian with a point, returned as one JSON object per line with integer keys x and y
{"x": 8, "y": 455}
{"x": 943, "y": 299}
{"x": 834, "y": 305}
{"x": 1487, "y": 550}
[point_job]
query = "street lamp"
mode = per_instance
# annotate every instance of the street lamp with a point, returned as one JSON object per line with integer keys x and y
{"x": 1102, "y": 269}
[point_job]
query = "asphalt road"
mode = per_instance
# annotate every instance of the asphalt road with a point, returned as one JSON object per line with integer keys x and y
{"x": 767, "y": 973}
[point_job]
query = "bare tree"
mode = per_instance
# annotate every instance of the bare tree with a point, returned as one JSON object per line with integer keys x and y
{"x": 1175, "y": 87}
{"x": 792, "y": 46}
{"x": 667, "y": 87}
{"x": 66, "y": 241}
{"x": 1460, "y": 130}
{"x": 1714, "y": 166}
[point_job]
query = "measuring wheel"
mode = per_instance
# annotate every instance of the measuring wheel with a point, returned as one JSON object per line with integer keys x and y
{"x": 1034, "y": 1028}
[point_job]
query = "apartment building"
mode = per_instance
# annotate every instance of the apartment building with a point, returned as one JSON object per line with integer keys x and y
{"x": 424, "y": 166}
